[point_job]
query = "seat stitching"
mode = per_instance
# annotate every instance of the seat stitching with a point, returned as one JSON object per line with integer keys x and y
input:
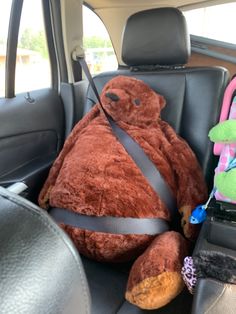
{"x": 216, "y": 301}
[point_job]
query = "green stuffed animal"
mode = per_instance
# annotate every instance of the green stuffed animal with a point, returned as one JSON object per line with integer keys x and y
{"x": 225, "y": 173}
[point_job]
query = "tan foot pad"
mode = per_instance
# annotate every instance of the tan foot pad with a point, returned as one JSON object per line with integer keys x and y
{"x": 155, "y": 292}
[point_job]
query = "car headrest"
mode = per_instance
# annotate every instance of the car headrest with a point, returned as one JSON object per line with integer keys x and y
{"x": 156, "y": 37}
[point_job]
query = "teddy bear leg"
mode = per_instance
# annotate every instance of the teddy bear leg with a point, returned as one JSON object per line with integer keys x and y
{"x": 155, "y": 277}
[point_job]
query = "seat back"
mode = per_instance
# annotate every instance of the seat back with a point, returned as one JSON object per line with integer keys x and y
{"x": 41, "y": 271}
{"x": 155, "y": 49}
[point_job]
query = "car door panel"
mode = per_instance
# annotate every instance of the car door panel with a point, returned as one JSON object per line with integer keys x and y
{"x": 31, "y": 135}
{"x": 20, "y": 150}
{"x": 19, "y": 116}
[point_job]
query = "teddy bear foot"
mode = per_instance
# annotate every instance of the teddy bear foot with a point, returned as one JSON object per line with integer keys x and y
{"x": 155, "y": 277}
{"x": 155, "y": 292}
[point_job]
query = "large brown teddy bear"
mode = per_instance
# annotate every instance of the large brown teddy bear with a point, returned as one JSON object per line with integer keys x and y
{"x": 94, "y": 175}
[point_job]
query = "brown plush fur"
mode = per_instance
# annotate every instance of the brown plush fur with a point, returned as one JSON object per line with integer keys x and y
{"x": 165, "y": 254}
{"x": 94, "y": 175}
{"x": 155, "y": 277}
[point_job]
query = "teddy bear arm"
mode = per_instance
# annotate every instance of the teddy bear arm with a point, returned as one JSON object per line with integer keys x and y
{"x": 191, "y": 189}
{"x": 54, "y": 171}
{"x": 192, "y": 192}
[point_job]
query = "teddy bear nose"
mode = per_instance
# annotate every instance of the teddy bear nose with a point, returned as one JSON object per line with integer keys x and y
{"x": 112, "y": 96}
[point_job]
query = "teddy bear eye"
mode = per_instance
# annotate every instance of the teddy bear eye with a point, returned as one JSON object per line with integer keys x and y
{"x": 137, "y": 102}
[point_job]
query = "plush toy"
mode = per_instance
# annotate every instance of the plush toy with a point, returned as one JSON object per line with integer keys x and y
{"x": 95, "y": 176}
{"x": 225, "y": 173}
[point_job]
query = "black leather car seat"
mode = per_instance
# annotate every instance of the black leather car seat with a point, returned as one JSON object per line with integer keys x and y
{"x": 40, "y": 270}
{"x": 156, "y": 47}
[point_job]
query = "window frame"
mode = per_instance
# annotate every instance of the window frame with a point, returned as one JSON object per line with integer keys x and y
{"x": 77, "y": 71}
{"x": 11, "y": 49}
{"x": 195, "y": 7}
{"x": 12, "y": 42}
{"x": 199, "y": 45}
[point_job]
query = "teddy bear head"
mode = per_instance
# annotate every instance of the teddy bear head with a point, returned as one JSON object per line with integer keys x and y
{"x": 130, "y": 100}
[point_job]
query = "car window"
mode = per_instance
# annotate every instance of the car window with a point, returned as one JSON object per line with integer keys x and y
{"x": 215, "y": 22}
{"x": 32, "y": 64}
{"x": 99, "y": 53}
{"x": 4, "y": 21}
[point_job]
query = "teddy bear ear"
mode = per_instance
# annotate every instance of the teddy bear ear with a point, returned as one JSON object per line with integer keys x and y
{"x": 162, "y": 102}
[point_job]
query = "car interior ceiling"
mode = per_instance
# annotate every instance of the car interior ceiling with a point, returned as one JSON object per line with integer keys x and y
{"x": 51, "y": 277}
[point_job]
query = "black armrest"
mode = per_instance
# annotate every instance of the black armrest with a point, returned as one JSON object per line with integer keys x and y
{"x": 222, "y": 233}
{"x": 216, "y": 236}
{"x": 212, "y": 296}
{"x": 40, "y": 270}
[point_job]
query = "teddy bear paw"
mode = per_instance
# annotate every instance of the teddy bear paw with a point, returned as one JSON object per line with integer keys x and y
{"x": 155, "y": 292}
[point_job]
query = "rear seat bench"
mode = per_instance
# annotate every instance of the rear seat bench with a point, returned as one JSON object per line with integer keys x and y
{"x": 193, "y": 95}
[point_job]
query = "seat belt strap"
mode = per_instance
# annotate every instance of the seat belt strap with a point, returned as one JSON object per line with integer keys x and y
{"x": 142, "y": 161}
{"x": 108, "y": 224}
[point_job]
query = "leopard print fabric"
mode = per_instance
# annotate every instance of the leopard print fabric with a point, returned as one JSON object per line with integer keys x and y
{"x": 189, "y": 274}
